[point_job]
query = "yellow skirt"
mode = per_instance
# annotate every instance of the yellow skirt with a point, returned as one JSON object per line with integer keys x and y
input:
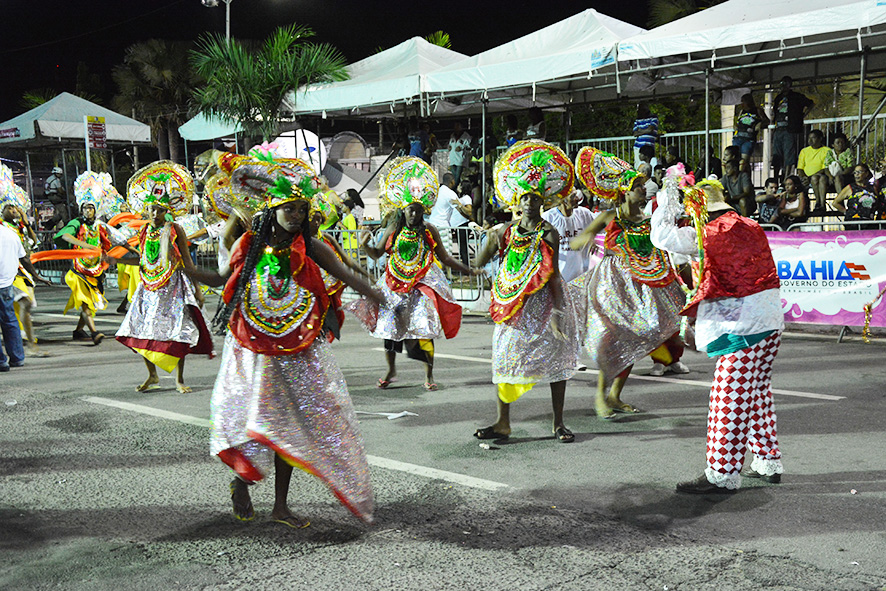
{"x": 84, "y": 291}
{"x": 24, "y": 291}
{"x": 128, "y": 278}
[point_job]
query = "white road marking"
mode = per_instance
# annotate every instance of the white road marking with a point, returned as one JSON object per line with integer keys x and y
{"x": 684, "y": 382}
{"x": 75, "y": 317}
{"x": 377, "y": 461}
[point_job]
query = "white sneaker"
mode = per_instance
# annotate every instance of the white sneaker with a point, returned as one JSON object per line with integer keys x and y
{"x": 678, "y": 367}
{"x": 657, "y": 369}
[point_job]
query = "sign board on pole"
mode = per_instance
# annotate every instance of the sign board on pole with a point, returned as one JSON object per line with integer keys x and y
{"x": 95, "y": 127}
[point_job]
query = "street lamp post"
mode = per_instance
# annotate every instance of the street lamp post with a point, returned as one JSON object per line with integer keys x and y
{"x": 213, "y": 4}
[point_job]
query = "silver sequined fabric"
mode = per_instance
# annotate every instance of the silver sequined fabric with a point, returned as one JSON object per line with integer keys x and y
{"x": 419, "y": 319}
{"x": 525, "y": 351}
{"x": 626, "y": 319}
{"x": 165, "y": 314}
{"x": 300, "y": 403}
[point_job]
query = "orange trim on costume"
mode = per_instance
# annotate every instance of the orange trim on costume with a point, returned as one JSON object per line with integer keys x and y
{"x": 65, "y": 254}
{"x": 238, "y": 462}
{"x": 121, "y": 218}
{"x": 307, "y": 467}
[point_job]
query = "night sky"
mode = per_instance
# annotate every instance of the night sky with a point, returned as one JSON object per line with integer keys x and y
{"x": 44, "y": 40}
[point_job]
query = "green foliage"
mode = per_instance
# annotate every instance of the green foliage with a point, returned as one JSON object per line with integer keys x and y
{"x": 661, "y": 12}
{"x": 248, "y": 85}
{"x": 36, "y": 97}
{"x": 439, "y": 38}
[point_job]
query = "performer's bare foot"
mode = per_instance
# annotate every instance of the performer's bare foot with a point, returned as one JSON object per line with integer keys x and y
{"x": 604, "y": 412}
{"x": 619, "y": 406}
{"x": 152, "y": 383}
{"x": 286, "y": 517}
{"x": 243, "y": 509}
{"x": 182, "y": 389}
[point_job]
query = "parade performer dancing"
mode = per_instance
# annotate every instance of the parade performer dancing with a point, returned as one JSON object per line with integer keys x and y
{"x": 419, "y": 303}
{"x": 13, "y": 203}
{"x": 321, "y": 208}
{"x": 164, "y": 322}
{"x": 535, "y": 339}
{"x": 86, "y": 278}
{"x": 738, "y": 320}
{"x": 280, "y": 399}
{"x": 632, "y": 296}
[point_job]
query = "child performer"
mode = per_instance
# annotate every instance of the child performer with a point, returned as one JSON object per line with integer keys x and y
{"x": 419, "y": 304}
{"x": 280, "y": 399}
{"x": 633, "y": 297}
{"x": 535, "y": 339}
{"x": 164, "y": 322}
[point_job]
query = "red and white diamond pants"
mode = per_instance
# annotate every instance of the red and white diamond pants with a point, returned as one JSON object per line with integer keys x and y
{"x": 741, "y": 412}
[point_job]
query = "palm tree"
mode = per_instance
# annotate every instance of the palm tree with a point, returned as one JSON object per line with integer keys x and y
{"x": 155, "y": 84}
{"x": 439, "y": 38}
{"x": 248, "y": 85}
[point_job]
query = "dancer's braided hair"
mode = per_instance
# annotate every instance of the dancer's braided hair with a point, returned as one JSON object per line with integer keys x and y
{"x": 262, "y": 224}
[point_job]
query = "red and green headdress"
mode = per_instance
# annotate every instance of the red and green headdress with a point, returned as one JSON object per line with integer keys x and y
{"x": 604, "y": 174}
{"x": 532, "y": 166}
{"x": 163, "y": 183}
{"x": 407, "y": 180}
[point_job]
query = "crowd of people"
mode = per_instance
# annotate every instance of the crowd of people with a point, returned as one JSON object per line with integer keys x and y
{"x": 280, "y": 400}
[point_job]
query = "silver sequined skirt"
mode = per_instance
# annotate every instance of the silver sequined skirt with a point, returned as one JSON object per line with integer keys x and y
{"x": 298, "y": 406}
{"x": 626, "y": 319}
{"x": 525, "y": 351}
{"x": 163, "y": 315}
{"x": 419, "y": 319}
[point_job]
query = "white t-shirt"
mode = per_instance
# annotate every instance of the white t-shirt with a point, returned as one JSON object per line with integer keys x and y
{"x": 572, "y": 262}
{"x": 441, "y": 214}
{"x": 457, "y": 219}
{"x": 457, "y": 157}
{"x": 11, "y": 250}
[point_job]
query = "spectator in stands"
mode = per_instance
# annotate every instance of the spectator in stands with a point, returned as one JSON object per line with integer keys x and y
{"x": 672, "y": 156}
{"x": 646, "y": 131}
{"x": 536, "y": 130}
{"x": 811, "y": 168}
{"x": 794, "y": 205}
{"x": 651, "y": 186}
{"x": 569, "y": 220}
{"x": 658, "y": 172}
{"x": 749, "y": 122}
{"x": 418, "y": 139}
{"x": 462, "y": 214}
{"x": 790, "y": 110}
{"x": 459, "y": 151}
{"x": 839, "y": 162}
{"x": 715, "y": 166}
{"x": 433, "y": 144}
{"x": 513, "y": 134}
{"x": 739, "y": 189}
{"x": 861, "y": 199}
{"x": 647, "y": 155}
{"x": 768, "y": 201}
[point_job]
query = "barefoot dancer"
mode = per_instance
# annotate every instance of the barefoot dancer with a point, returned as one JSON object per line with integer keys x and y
{"x": 419, "y": 303}
{"x": 164, "y": 322}
{"x": 535, "y": 340}
{"x": 280, "y": 399}
{"x": 633, "y": 297}
{"x": 739, "y": 320}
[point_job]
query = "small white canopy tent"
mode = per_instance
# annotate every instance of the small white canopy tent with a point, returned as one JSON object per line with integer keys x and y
{"x": 548, "y": 59}
{"x": 202, "y": 127}
{"x": 61, "y": 118}
{"x": 377, "y": 84}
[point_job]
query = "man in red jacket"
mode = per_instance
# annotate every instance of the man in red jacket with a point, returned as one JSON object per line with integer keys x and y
{"x": 739, "y": 320}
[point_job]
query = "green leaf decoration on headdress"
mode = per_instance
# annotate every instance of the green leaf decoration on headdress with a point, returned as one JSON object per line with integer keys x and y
{"x": 307, "y": 187}
{"x": 540, "y": 158}
{"x": 263, "y": 156}
{"x": 161, "y": 177}
{"x": 282, "y": 188}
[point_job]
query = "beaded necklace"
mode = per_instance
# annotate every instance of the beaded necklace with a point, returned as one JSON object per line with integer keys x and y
{"x": 91, "y": 235}
{"x": 155, "y": 273}
{"x": 273, "y": 303}
{"x": 522, "y": 259}
{"x": 632, "y": 244}
{"x": 410, "y": 258}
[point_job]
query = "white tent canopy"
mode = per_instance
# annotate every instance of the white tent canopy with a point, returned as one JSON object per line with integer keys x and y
{"x": 62, "y": 119}
{"x": 377, "y": 83}
{"x": 577, "y": 45}
{"x": 759, "y": 41}
{"x": 202, "y": 127}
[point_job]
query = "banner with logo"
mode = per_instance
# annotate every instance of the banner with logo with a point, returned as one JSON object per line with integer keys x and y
{"x": 828, "y": 277}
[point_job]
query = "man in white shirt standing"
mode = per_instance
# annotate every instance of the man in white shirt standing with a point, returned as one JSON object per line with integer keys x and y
{"x": 459, "y": 149}
{"x": 12, "y": 254}
{"x": 570, "y": 220}
{"x": 445, "y": 214}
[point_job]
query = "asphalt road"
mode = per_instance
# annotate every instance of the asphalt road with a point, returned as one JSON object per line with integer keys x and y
{"x": 102, "y": 487}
